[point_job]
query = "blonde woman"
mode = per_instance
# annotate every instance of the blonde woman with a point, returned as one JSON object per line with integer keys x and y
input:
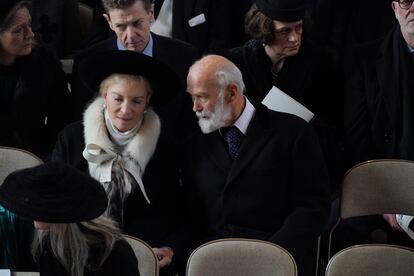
{"x": 121, "y": 143}
{"x": 71, "y": 237}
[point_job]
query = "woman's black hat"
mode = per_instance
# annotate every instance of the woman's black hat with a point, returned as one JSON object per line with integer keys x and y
{"x": 164, "y": 81}
{"x": 53, "y": 193}
{"x": 282, "y": 10}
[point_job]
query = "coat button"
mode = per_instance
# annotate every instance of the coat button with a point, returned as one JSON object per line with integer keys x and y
{"x": 387, "y": 138}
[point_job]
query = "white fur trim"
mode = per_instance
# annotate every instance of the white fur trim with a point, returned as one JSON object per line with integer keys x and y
{"x": 142, "y": 146}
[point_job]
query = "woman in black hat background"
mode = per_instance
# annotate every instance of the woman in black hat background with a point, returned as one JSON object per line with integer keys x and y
{"x": 120, "y": 142}
{"x": 279, "y": 54}
{"x": 71, "y": 237}
{"x": 34, "y": 96}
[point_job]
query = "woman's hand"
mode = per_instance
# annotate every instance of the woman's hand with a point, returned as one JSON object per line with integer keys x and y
{"x": 164, "y": 255}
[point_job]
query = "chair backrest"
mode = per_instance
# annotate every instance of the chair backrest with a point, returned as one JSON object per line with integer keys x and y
{"x": 147, "y": 261}
{"x": 372, "y": 259}
{"x": 12, "y": 159}
{"x": 16, "y": 273}
{"x": 241, "y": 257}
{"x": 383, "y": 186}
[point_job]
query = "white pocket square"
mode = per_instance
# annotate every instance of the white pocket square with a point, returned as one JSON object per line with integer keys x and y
{"x": 197, "y": 20}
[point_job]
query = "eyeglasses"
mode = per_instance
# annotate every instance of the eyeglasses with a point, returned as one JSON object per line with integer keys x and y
{"x": 405, "y": 4}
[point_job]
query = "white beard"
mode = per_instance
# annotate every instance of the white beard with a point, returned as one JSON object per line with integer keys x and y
{"x": 210, "y": 121}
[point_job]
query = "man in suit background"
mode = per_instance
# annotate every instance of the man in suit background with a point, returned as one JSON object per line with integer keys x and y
{"x": 206, "y": 24}
{"x": 379, "y": 104}
{"x": 268, "y": 182}
{"x": 131, "y": 20}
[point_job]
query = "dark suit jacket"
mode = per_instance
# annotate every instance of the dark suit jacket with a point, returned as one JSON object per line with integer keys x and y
{"x": 213, "y": 35}
{"x": 177, "y": 117}
{"x": 373, "y": 102}
{"x": 276, "y": 190}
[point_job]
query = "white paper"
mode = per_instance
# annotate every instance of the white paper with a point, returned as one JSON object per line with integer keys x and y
{"x": 5, "y": 272}
{"x": 277, "y": 100}
{"x": 197, "y": 20}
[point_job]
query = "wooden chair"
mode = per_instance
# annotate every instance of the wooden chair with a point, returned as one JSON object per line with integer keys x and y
{"x": 372, "y": 259}
{"x": 383, "y": 186}
{"x": 147, "y": 261}
{"x": 240, "y": 257}
{"x": 12, "y": 159}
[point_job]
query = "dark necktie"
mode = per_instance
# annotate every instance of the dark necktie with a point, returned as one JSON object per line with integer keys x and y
{"x": 233, "y": 137}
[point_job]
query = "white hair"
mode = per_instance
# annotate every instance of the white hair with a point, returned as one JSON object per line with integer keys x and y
{"x": 230, "y": 74}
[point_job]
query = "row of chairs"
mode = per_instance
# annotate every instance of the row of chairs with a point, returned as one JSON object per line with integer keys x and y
{"x": 243, "y": 257}
{"x": 247, "y": 257}
{"x": 373, "y": 187}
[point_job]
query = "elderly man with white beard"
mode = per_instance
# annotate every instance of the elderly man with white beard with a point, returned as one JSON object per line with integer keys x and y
{"x": 252, "y": 173}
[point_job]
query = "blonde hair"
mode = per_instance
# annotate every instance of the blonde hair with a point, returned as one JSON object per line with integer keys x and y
{"x": 71, "y": 243}
{"x": 114, "y": 78}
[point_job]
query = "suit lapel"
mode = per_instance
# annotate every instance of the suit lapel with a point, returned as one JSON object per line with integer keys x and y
{"x": 256, "y": 137}
{"x": 217, "y": 152}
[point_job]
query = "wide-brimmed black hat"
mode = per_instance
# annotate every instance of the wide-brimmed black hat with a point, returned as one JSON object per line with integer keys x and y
{"x": 53, "y": 193}
{"x": 164, "y": 81}
{"x": 282, "y": 10}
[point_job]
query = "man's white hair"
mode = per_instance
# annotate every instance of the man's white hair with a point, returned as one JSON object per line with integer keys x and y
{"x": 229, "y": 74}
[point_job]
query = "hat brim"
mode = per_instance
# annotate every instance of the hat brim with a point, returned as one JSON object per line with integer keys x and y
{"x": 68, "y": 196}
{"x": 291, "y": 14}
{"x": 163, "y": 80}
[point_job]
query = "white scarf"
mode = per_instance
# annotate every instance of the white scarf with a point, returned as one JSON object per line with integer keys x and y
{"x": 100, "y": 151}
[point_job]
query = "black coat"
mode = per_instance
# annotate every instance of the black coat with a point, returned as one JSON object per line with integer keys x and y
{"x": 35, "y": 106}
{"x": 307, "y": 77}
{"x": 121, "y": 261}
{"x": 373, "y": 102}
{"x": 277, "y": 189}
{"x": 154, "y": 223}
{"x": 211, "y": 36}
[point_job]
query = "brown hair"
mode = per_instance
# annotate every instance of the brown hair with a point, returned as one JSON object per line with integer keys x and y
{"x": 122, "y": 4}
{"x": 8, "y": 20}
{"x": 259, "y": 26}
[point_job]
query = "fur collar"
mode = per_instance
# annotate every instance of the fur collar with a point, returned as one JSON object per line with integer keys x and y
{"x": 142, "y": 146}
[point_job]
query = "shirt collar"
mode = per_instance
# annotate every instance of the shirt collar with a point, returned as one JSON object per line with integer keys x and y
{"x": 243, "y": 121}
{"x": 147, "y": 50}
{"x": 410, "y": 49}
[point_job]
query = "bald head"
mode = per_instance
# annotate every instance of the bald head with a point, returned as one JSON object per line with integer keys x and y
{"x": 216, "y": 87}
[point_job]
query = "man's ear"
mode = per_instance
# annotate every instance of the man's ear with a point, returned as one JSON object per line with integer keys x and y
{"x": 108, "y": 19}
{"x": 233, "y": 90}
{"x": 152, "y": 13}
{"x": 393, "y": 6}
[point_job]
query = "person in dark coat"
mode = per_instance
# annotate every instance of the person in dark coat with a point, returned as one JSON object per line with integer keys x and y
{"x": 205, "y": 24}
{"x": 378, "y": 104}
{"x": 34, "y": 94}
{"x": 254, "y": 173}
{"x": 176, "y": 116}
{"x": 276, "y": 56}
{"x": 71, "y": 237}
{"x": 121, "y": 143}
